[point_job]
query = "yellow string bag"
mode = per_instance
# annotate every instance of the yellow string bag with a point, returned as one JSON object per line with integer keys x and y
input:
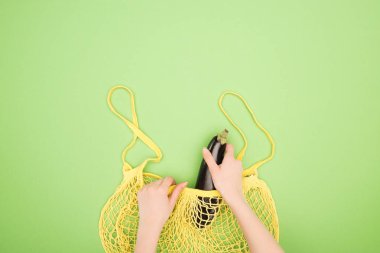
{"x": 118, "y": 221}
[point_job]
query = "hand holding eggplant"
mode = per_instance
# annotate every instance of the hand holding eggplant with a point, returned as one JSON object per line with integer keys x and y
{"x": 227, "y": 176}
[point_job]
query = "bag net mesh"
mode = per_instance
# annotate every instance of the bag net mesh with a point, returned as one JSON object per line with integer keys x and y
{"x": 198, "y": 223}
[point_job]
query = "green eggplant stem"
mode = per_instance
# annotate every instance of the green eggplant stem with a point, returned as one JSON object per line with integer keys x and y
{"x": 222, "y": 136}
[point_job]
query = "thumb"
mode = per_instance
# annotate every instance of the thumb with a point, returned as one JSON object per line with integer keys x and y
{"x": 175, "y": 193}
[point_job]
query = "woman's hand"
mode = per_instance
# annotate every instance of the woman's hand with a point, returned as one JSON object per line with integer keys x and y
{"x": 227, "y": 176}
{"x": 155, "y": 207}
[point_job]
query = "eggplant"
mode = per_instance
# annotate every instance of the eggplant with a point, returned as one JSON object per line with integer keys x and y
{"x": 208, "y": 206}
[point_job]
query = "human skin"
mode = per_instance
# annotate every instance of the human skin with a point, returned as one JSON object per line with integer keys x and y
{"x": 155, "y": 206}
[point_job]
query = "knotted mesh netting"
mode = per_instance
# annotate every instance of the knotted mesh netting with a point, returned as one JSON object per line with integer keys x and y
{"x": 200, "y": 222}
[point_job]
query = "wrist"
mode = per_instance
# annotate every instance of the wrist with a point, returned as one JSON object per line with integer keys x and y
{"x": 147, "y": 238}
{"x": 152, "y": 222}
{"x": 236, "y": 201}
{"x": 151, "y": 226}
{"x": 232, "y": 195}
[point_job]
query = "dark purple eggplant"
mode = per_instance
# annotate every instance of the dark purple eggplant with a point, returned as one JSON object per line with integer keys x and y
{"x": 208, "y": 206}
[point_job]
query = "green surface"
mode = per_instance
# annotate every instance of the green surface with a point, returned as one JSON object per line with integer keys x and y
{"x": 310, "y": 70}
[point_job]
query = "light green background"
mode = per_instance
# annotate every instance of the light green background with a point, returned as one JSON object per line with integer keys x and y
{"x": 310, "y": 70}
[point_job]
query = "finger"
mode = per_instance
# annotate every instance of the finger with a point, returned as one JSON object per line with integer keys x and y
{"x": 156, "y": 183}
{"x": 175, "y": 193}
{"x": 229, "y": 151}
{"x": 209, "y": 159}
{"x": 167, "y": 181}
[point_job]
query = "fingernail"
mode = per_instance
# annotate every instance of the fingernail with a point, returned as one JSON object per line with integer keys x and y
{"x": 204, "y": 149}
